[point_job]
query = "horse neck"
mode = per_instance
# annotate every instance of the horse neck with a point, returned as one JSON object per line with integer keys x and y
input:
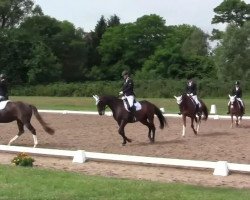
{"x": 186, "y": 101}
{"x": 112, "y": 103}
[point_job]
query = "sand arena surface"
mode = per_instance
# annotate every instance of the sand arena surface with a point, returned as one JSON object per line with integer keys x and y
{"x": 215, "y": 141}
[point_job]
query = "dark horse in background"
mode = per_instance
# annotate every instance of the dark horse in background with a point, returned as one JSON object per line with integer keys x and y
{"x": 235, "y": 110}
{"x": 188, "y": 108}
{"x": 22, "y": 113}
{"x": 122, "y": 116}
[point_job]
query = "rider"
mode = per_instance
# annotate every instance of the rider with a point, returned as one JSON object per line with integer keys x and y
{"x": 128, "y": 92}
{"x": 191, "y": 90}
{"x": 3, "y": 88}
{"x": 237, "y": 91}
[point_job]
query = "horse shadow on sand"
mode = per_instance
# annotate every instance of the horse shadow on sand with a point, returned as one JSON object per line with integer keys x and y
{"x": 216, "y": 134}
{"x": 167, "y": 142}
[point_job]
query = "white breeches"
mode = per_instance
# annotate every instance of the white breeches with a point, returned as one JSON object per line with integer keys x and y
{"x": 240, "y": 100}
{"x": 196, "y": 100}
{"x": 130, "y": 99}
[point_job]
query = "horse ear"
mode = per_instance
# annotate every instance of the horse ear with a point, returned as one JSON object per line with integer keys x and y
{"x": 229, "y": 95}
{"x": 175, "y": 97}
{"x": 96, "y": 98}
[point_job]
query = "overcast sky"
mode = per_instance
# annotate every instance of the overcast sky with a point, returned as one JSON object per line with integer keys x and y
{"x": 86, "y": 13}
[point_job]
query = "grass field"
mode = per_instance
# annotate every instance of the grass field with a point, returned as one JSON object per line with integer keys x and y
{"x": 30, "y": 183}
{"x": 88, "y": 103}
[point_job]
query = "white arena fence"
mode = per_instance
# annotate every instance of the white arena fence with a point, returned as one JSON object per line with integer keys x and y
{"x": 220, "y": 168}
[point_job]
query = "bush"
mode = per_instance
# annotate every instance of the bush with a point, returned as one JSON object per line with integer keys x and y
{"x": 23, "y": 159}
{"x": 158, "y": 88}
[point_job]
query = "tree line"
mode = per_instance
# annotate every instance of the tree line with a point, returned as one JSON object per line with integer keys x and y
{"x": 39, "y": 49}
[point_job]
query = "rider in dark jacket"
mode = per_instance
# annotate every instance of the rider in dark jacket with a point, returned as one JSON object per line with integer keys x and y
{"x": 128, "y": 92}
{"x": 3, "y": 88}
{"x": 191, "y": 90}
{"x": 237, "y": 91}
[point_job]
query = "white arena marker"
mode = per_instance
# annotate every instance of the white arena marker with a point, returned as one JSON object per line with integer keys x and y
{"x": 213, "y": 109}
{"x": 79, "y": 157}
{"x": 221, "y": 169}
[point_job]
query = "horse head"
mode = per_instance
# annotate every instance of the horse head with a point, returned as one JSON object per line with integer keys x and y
{"x": 100, "y": 105}
{"x": 232, "y": 99}
{"x": 178, "y": 99}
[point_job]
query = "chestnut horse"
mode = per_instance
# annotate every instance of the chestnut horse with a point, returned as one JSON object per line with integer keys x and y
{"x": 188, "y": 108}
{"x": 122, "y": 116}
{"x": 22, "y": 113}
{"x": 235, "y": 110}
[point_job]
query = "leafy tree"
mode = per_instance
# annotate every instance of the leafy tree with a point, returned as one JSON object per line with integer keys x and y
{"x": 42, "y": 66}
{"x": 184, "y": 52}
{"x": 114, "y": 20}
{"x": 232, "y": 12}
{"x": 129, "y": 45}
{"x": 65, "y": 42}
{"x": 232, "y": 57}
{"x": 13, "y": 12}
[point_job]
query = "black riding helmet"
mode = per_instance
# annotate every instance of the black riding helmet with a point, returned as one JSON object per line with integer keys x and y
{"x": 125, "y": 72}
{"x": 2, "y": 76}
{"x": 237, "y": 82}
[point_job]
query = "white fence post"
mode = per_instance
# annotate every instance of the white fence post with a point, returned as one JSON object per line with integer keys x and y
{"x": 79, "y": 157}
{"x": 221, "y": 169}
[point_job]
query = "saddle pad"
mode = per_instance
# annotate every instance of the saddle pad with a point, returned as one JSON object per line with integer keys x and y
{"x": 3, "y": 104}
{"x": 136, "y": 104}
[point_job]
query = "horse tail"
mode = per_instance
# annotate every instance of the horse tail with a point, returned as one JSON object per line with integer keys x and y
{"x": 42, "y": 122}
{"x": 160, "y": 116}
{"x": 205, "y": 111}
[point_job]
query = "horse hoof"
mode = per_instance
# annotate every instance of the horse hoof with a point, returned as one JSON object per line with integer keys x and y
{"x": 129, "y": 140}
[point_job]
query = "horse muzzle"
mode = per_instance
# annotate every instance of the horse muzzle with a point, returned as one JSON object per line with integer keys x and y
{"x": 102, "y": 112}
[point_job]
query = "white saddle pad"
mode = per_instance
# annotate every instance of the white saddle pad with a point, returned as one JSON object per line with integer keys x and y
{"x": 3, "y": 104}
{"x": 136, "y": 104}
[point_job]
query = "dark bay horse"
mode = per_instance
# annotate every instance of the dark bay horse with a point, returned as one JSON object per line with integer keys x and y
{"x": 188, "y": 109}
{"x": 22, "y": 113}
{"x": 235, "y": 110}
{"x": 122, "y": 116}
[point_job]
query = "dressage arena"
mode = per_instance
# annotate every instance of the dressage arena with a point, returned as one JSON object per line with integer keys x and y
{"x": 216, "y": 141}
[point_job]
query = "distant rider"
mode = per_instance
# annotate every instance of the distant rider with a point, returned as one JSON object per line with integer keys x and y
{"x": 237, "y": 91}
{"x": 3, "y": 88}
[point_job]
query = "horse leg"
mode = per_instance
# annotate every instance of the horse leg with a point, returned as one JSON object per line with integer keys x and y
{"x": 237, "y": 121}
{"x": 232, "y": 121}
{"x": 184, "y": 125}
{"x": 198, "y": 122}
{"x": 122, "y": 133}
{"x": 192, "y": 125}
{"x": 21, "y": 131}
{"x": 33, "y": 131}
{"x": 151, "y": 128}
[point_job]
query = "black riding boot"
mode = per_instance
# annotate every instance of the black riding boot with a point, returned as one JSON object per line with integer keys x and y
{"x": 198, "y": 109}
{"x": 243, "y": 109}
{"x": 132, "y": 112}
{"x": 228, "y": 110}
{"x": 180, "y": 113}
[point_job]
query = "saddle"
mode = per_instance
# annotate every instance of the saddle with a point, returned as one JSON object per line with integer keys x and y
{"x": 3, "y": 104}
{"x": 126, "y": 104}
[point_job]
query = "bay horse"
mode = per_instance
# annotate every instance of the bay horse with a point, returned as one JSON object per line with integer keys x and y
{"x": 235, "y": 110}
{"x": 22, "y": 113}
{"x": 188, "y": 109}
{"x": 122, "y": 116}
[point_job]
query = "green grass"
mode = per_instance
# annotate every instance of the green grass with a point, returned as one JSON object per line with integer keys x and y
{"x": 88, "y": 103}
{"x": 31, "y": 183}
